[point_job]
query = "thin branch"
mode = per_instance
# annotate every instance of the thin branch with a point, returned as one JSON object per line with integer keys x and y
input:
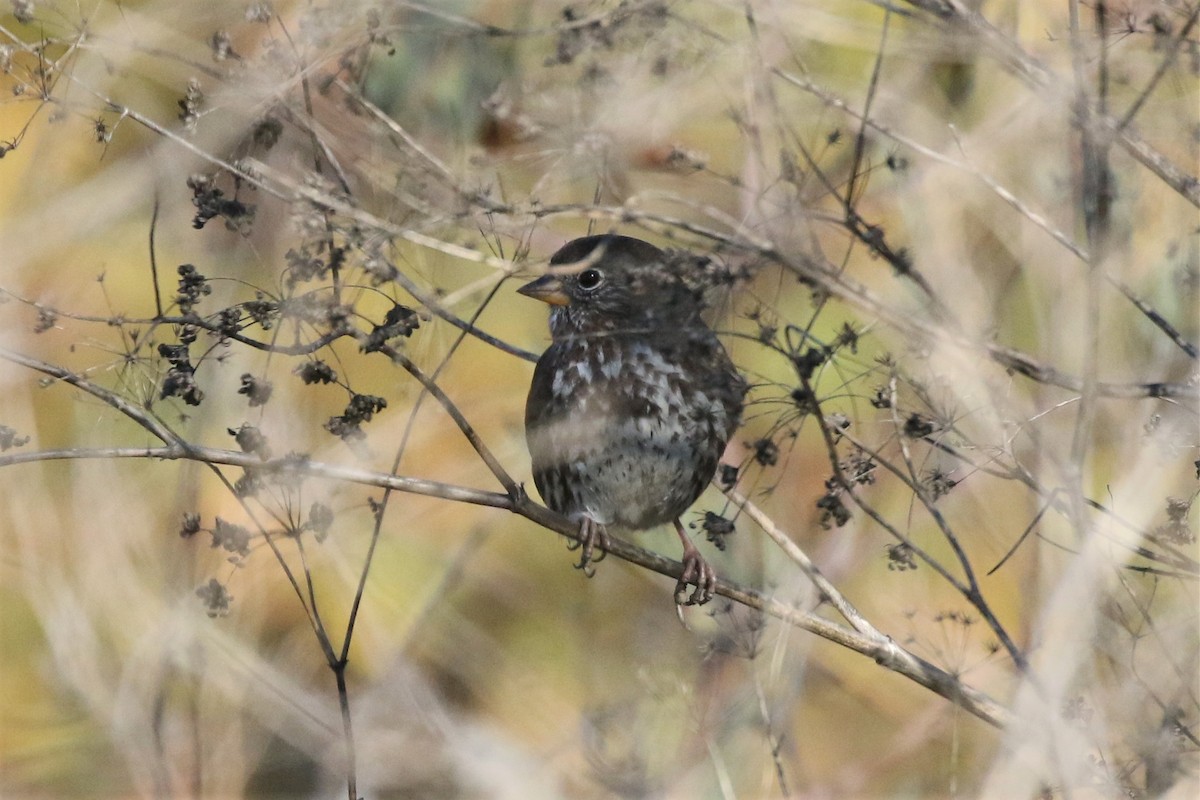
{"x": 834, "y": 281}
{"x": 381, "y": 509}
{"x": 883, "y": 650}
{"x": 880, "y": 648}
{"x": 158, "y": 306}
{"x": 140, "y": 415}
{"x": 296, "y": 466}
{"x": 971, "y": 591}
{"x": 1168, "y": 59}
{"x": 829, "y": 593}
{"x": 1038, "y": 76}
{"x": 860, "y": 140}
{"x": 467, "y": 429}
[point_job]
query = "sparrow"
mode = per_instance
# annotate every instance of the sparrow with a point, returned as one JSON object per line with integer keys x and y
{"x": 633, "y": 402}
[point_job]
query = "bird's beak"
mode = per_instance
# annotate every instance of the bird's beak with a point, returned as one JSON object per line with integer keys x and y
{"x": 548, "y": 289}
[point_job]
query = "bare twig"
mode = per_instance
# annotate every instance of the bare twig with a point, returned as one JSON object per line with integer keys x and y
{"x": 962, "y": 18}
{"x": 882, "y": 649}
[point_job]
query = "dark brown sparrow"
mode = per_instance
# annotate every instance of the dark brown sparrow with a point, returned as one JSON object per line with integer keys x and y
{"x": 633, "y": 402}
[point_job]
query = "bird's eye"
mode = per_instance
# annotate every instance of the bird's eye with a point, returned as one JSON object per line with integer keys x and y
{"x": 589, "y": 279}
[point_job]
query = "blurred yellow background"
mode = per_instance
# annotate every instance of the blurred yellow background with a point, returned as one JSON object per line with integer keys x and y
{"x": 482, "y": 665}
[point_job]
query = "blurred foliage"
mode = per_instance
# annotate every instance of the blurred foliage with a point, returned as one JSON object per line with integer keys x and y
{"x": 352, "y": 167}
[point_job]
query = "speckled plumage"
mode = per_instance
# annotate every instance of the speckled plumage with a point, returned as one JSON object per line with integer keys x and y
{"x": 633, "y": 402}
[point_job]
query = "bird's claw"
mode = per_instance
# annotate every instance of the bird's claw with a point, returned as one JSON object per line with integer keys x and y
{"x": 592, "y": 535}
{"x": 696, "y": 572}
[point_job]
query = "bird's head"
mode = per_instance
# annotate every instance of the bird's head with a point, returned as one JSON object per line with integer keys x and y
{"x": 610, "y": 283}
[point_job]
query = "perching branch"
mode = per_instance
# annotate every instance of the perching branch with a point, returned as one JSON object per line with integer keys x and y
{"x": 862, "y": 639}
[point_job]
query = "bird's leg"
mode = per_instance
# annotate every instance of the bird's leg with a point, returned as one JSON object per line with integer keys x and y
{"x": 592, "y": 534}
{"x": 696, "y": 571}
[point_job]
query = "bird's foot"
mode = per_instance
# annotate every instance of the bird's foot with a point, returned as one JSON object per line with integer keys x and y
{"x": 696, "y": 571}
{"x": 592, "y": 535}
